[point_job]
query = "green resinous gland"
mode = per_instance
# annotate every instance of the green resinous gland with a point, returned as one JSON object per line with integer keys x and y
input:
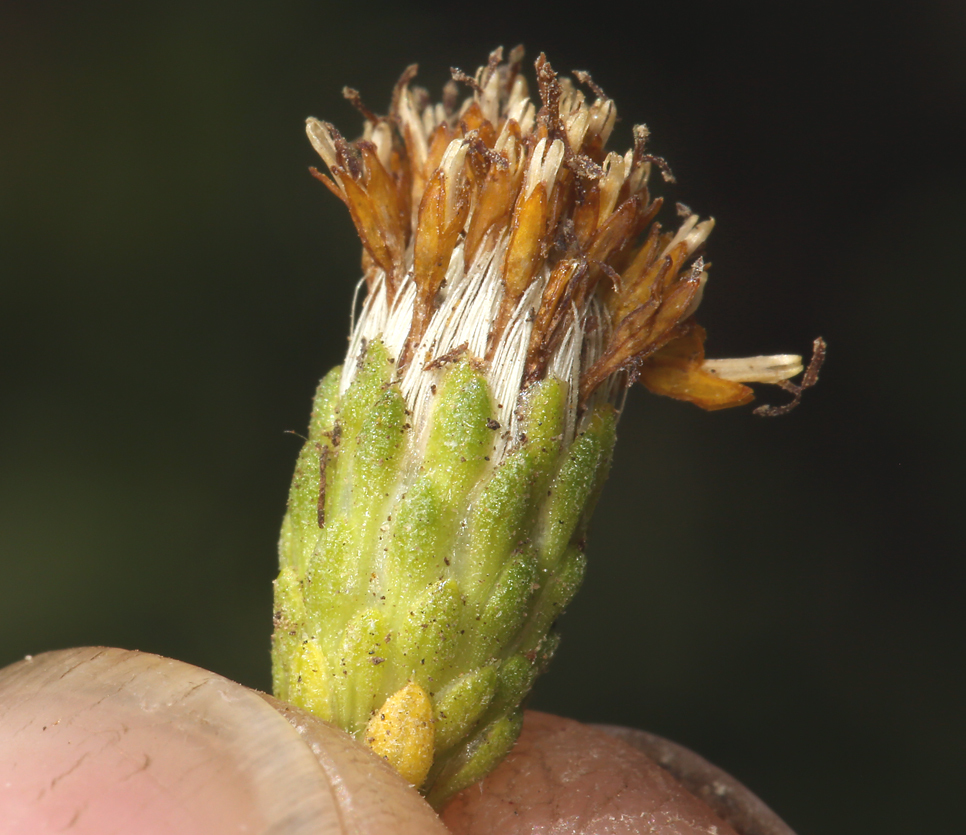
{"x": 420, "y": 559}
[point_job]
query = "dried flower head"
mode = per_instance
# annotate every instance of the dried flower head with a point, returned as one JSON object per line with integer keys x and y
{"x": 517, "y": 281}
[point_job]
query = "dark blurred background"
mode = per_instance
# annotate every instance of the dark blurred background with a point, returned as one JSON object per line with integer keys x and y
{"x": 784, "y": 596}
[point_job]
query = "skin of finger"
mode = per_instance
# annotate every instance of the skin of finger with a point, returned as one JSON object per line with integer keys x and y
{"x": 99, "y": 740}
{"x": 729, "y": 798}
{"x": 564, "y": 778}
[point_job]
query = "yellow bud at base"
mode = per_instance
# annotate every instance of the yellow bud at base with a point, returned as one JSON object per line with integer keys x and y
{"x": 402, "y": 733}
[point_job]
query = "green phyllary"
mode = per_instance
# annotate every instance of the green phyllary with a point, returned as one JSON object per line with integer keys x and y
{"x": 419, "y": 558}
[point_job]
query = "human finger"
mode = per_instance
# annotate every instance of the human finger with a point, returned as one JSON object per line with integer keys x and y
{"x": 105, "y": 740}
{"x": 565, "y": 778}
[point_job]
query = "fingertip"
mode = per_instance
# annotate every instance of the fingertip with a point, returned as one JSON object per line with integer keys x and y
{"x": 102, "y": 740}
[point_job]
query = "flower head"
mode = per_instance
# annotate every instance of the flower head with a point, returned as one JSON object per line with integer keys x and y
{"x": 517, "y": 281}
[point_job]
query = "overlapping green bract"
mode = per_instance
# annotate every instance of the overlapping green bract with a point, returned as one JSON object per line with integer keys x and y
{"x": 420, "y": 558}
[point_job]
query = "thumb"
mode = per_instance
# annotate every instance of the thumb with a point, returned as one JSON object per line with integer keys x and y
{"x": 107, "y": 740}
